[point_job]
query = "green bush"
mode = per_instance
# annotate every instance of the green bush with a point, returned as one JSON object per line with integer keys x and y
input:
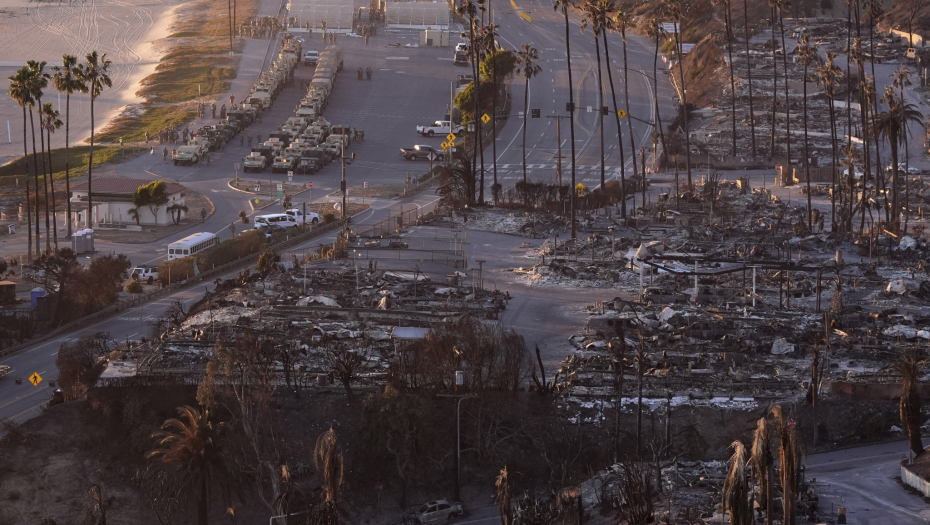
{"x": 242, "y": 245}
{"x": 134, "y": 286}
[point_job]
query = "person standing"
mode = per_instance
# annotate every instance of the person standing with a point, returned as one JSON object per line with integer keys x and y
{"x": 164, "y": 155}
{"x": 214, "y": 109}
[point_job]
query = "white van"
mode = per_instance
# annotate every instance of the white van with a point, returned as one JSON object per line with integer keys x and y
{"x": 276, "y": 220}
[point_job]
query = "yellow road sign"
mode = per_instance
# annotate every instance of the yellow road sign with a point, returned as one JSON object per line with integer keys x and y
{"x": 444, "y": 145}
{"x": 35, "y": 379}
{"x": 450, "y": 137}
{"x": 485, "y": 118}
{"x": 621, "y": 113}
{"x": 579, "y": 189}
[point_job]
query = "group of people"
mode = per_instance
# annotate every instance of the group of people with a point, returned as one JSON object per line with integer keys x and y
{"x": 365, "y": 73}
{"x": 358, "y": 135}
{"x": 169, "y": 134}
{"x": 261, "y": 27}
{"x": 367, "y": 30}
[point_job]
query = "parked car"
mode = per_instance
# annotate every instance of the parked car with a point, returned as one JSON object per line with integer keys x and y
{"x": 439, "y": 510}
{"x": 902, "y": 167}
{"x": 311, "y": 58}
{"x": 145, "y": 274}
{"x": 298, "y": 215}
{"x": 442, "y": 127}
{"x": 420, "y": 152}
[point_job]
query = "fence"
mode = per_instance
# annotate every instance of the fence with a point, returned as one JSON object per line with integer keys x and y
{"x": 168, "y": 290}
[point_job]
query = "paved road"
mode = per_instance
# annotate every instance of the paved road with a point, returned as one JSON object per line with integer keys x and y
{"x": 868, "y": 480}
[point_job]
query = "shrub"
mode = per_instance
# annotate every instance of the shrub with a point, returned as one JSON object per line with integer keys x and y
{"x": 329, "y": 217}
{"x": 134, "y": 286}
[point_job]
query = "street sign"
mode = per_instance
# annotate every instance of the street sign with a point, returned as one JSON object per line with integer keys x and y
{"x": 366, "y": 185}
{"x": 290, "y": 173}
{"x": 534, "y": 113}
{"x": 280, "y": 186}
{"x": 310, "y": 184}
{"x": 450, "y": 137}
{"x": 35, "y": 379}
{"x": 655, "y": 134}
{"x": 444, "y": 145}
{"x": 621, "y": 113}
{"x": 236, "y": 166}
{"x": 791, "y": 423}
{"x": 485, "y": 118}
{"x": 579, "y": 189}
{"x": 432, "y": 156}
{"x": 590, "y": 109}
{"x": 258, "y": 188}
{"x": 280, "y": 193}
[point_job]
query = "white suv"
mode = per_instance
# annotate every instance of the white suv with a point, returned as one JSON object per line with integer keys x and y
{"x": 276, "y": 220}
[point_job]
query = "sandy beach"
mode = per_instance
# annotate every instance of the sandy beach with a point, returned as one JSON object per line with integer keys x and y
{"x": 127, "y": 31}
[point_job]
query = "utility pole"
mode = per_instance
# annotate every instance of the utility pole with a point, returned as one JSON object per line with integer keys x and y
{"x": 558, "y": 165}
{"x": 345, "y": 191}
{"x": 458, "y": 437}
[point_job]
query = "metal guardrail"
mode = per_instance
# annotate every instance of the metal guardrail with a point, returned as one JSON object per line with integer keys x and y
{"x": 167, "y": 290}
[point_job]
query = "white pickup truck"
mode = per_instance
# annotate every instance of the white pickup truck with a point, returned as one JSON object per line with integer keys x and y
{"x": 441, "y": 127}
{"x": 4, "y": 370}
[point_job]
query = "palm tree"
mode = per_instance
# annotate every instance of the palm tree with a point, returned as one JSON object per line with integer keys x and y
{"x": 51, "y": 123}
{"x": 468, "y": 8}
{"x": 613, "y": 94}
{"x": 38, "y": 80}
{"x": 529, "y": 58}
{"x": 752, "y": 117}
{"x": 564, "y": 5}
{"x": 94, "y": 74}
{"x": 594, "y": 14}
{"x": 773, "y": 4}
{"x": 619, "y": 23}
{"x": 327, "y": 457}
{"x": 788, "y": 463}
{"x": 189, "y": 458}
{"x": 727, "y": 24}
{"x": 504, "y": 497}
{"x": 807, "y": 56}
{"x": 909, "y": 368}
{"x": 827, "y": 77}
{"x": 762, "y": 460}
{"x": 655, "y": 30}
{"x": 902, "y": 79}
{"x": 737, "y": 491}
{"x": 67, "y": 80}
{"x": 19, "y": 91}
{"x": 676, "y": 11}
{"x": 780, "y": 4}
{"x": 892, "y": 125}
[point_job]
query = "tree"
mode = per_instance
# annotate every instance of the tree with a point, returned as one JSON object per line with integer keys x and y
{"x": 621, "y": 20}
{"x": 594, "y": 13}
{"x": 134, "y": 215}
{"x": 789, "y": 462}
{"x": 827, "y": 77}
{"x": 892, "y": 125}
{"x": 154, "y": 195}
{"x": 327, "y": 457}
{"x": 56, "y": 271}
{"x": 807, "y": 56}
{"x": 99, "y": 284}
{"x": 345, "y": 361}
{"x": 564, "y": 6}
{"x": 528, "y": 57}
{"x": 468, "y": 8}
{"x": 902, "y": 79}
{"x": 916, "y": 7}
{"x": 728, "y": 27}
{"x": 395, "y": 422}
{"x": 762, "y": 460}
{"x": 654, "y": 30}
{"x": 19, "y": 91}
{"x": 94, "y": 74}
{"x": 38, "y": 80}
{"x": 190, "y": 461}
{"x": 737, "y": 491}
{"x": 78, "y": 364}
{"x": 51, "y": 123}
{"x": 909, "y": 368}
{"x": 773, "y": 5}
{"x": 780, "y": 6}
{"x": 497, "y": 65}
{"x": 266, "y": 261}
{"x": 676, "y": 11}
{"x": 465, "y": 101}
{"x": 458, "y": 182}
{"x": 67, "y": 80}
{"x": 504, "y": 497}
{"x": 175, "y": 210}
{"x": 752, "y": 116}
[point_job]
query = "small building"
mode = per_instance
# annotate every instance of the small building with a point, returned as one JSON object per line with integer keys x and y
{"x": 112, "y": 200}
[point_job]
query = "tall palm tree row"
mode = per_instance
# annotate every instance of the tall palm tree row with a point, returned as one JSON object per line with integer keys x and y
{"x": 619, "y": 23}
{"x": 528, "y": 57}
{"x": 655, "y": 30}
{"x": 828, "y": 75}
{"x": 902, "y": 79}
{"x": 19, "y": 91}
{"x": 807, "y": 56}
{"x": 469, "y": 9}
{"x": 94, "y": 74}
{"x": 67, "y": 80}
{"x": 728, "y": 27}
{"x": 752, "y": 116}
{"x": 564, "y": 6}
{"x": 51, "y": 123}
{"x": 892, "y": 126}
{"x": 613, "y": 95}
{"x": 594, "y": 15}
{"x": 38, "y": 80}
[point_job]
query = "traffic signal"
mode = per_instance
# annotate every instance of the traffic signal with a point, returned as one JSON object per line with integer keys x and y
{"x": 535, "y": 113}
{"x": 604, "y": 110}
{"x": 569, "y": 106}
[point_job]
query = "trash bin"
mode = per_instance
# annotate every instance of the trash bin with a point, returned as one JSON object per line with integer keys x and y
{"x": 36, "y": 293}
{"x": 12, "y": 229}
